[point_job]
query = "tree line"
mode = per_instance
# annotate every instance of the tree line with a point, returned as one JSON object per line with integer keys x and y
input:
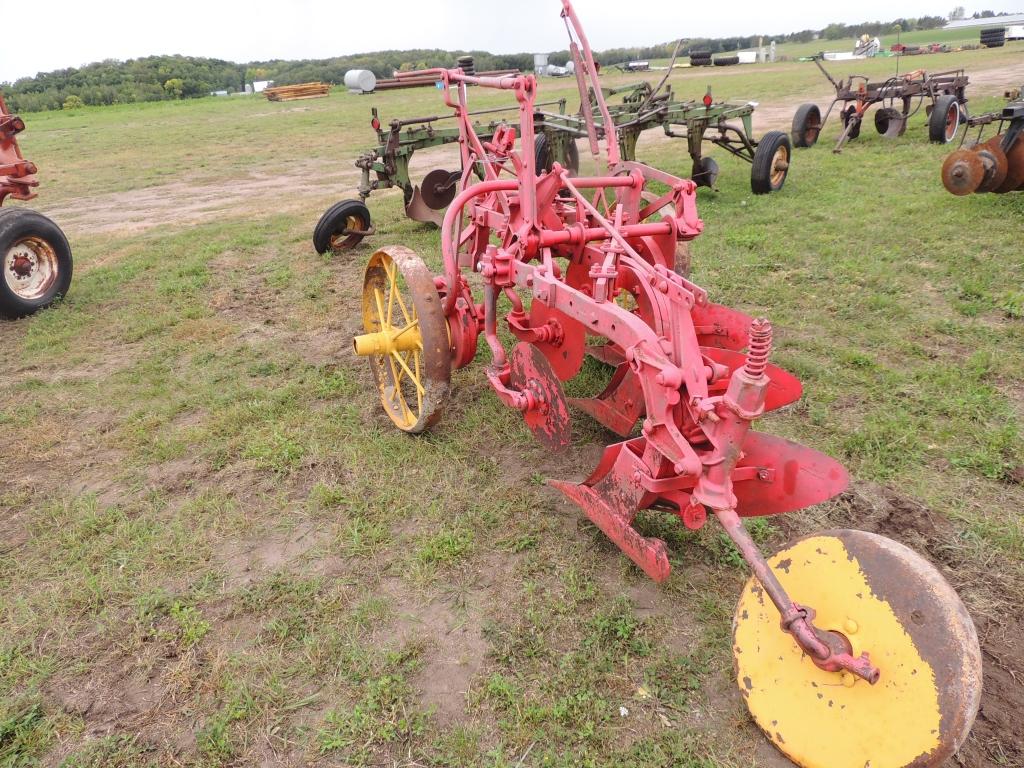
{"x": 156, "y": 78}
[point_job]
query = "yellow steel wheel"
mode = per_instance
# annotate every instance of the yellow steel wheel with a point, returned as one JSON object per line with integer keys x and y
{"x": 888, "y": 601}
{"x": 406, "y": 338}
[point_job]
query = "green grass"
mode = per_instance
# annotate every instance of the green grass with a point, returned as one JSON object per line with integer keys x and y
{"x": 210, "y": 525}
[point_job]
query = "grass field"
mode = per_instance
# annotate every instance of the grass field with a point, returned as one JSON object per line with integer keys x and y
{"x": 215, "y": 550}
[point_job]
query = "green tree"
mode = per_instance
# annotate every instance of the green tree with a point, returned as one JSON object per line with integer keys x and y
{"x": 73, "y": 102}
{"x": 175, "y": 87}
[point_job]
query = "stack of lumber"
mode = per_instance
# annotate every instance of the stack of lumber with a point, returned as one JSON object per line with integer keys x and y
{"x": 299, "y": 91}
{"x": 429, "y": 80}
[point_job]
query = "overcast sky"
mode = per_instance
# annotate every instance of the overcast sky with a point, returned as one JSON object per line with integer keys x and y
{"x": 41, "y": 35}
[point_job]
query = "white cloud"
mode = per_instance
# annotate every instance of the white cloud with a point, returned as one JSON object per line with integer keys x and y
{"x": 42, "y": 35}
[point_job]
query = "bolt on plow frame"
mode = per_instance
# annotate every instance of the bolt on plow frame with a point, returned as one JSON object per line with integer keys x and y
{"x": 34, "y": 253}
{"x": 850, "y": 649}
{"x": 995, "y": 164}
{"x": 899, "y": 97}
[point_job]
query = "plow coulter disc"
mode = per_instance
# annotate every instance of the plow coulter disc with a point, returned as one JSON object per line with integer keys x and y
{"x": 439, "y": 188}
{"x": 531, "y": 372}
{"x": 881, "y": 598}
{"x": 962, "y": 172}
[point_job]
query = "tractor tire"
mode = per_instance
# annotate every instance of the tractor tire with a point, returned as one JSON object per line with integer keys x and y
{"x": 771, "y": 163}
{"x": 327, "y": 235}
{"x": 544, "y": 156}
{"x": 36, "y": 262}
{"x": 944, "y": 120}
{"x": 727, "y": 61}
{"x": 806, "y": 125}
{"x": 995, "y": 44}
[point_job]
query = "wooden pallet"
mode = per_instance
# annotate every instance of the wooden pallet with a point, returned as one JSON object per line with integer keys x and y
{"x": 298, "y": 91}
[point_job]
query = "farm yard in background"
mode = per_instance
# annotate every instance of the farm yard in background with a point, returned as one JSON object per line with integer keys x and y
{"x": 216, "y": 550}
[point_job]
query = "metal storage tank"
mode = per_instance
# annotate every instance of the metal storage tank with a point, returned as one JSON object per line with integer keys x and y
{"x": 360, "y": 81}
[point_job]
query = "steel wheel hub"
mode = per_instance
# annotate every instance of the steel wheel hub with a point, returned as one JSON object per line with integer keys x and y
{"x": 30, "y": 268}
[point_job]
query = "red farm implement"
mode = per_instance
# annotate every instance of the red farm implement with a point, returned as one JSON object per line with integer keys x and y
{"x": 36, "y": 257}
{"x": 897, "y": 98}
{"x": 850, "y": 649}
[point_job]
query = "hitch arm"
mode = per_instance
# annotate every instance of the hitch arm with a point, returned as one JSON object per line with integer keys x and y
{"x": 828, "y": 650}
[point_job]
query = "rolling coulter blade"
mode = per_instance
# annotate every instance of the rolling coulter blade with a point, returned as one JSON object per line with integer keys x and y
{"x": 532, "y": 373}
{"x": 869, "y": 593}
{"x": 439, "y": 188}
{"x": 962, "y": 172}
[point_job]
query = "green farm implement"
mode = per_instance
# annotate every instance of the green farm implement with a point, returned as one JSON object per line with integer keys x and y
{"x": 640, "y": 108}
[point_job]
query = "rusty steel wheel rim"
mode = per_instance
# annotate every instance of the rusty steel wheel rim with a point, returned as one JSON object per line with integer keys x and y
{"x": 952, "y": 121}
{"x": 812, "y": 128}
{"x": 30, "y": 268}
{"x": 780, "y": 166}
{"x": 341, "y": 241}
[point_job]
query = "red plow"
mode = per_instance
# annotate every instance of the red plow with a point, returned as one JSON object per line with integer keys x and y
{"x": 588, "y": 265}
{"x": 35, "y": 257}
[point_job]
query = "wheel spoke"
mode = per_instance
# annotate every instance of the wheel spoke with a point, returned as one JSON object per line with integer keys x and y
{"x": 378, "y": 299}
{"x": 412, "y": 376}
{"x": 392, "y": 289}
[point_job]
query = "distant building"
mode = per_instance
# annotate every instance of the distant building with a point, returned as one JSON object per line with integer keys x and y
{"x": 259, "y": 86}
{"x": 992, "y": 21}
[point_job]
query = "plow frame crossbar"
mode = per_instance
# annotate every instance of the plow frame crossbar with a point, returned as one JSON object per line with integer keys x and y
{"x": 389, "y": 160}
{"x": 641, "y": 110}
{"x": 17, "y": 175}
{"x": 1010, "y": 121}
{"x": 515, "y": 225}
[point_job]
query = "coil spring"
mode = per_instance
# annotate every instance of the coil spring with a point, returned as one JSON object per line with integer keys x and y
{"x": 760, "y": 347}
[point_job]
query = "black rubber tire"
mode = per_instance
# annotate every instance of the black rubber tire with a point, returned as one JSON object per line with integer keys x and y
{"x": 705, "y": 172}
{"x": 18, "y": 224}
{"x": 995, "y": 44}
{"x": 334, "y": 220}
{"x": 727, "y": 61}
{"x": 806, "y": 125}
{"x": 761, "y": 181}
{"x": 544, "y": 159}
{"x": 937, "y": 119}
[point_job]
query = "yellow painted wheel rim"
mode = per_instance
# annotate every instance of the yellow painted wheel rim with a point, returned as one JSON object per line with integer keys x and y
{"x": 918, "y": 713}
{"x": 406, "y": 339}
{"x": 392, "y": 317}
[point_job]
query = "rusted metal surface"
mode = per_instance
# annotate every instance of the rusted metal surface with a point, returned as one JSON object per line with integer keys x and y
{"x": 992, "y": 165}
{"x": 898, "y": 98}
